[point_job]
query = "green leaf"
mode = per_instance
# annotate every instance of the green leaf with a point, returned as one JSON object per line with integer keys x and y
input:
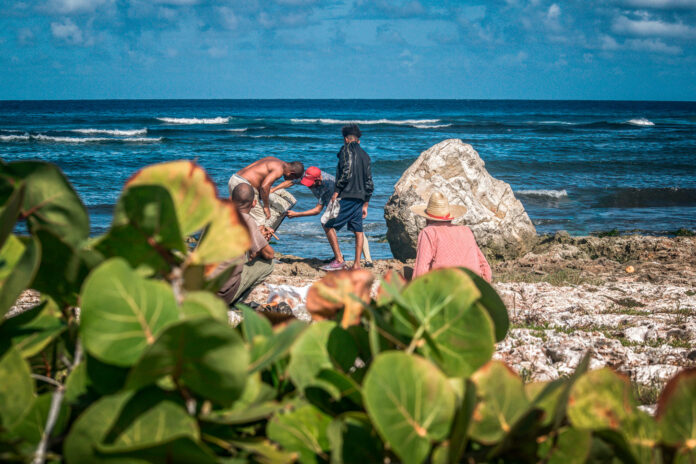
{"x": 204, "y": 355}
{"x": 63, "y": 268}
{"x": 323, "y": 345}
{"x": 572, "y": 447}
{"x": 77, "y": 383}
{"x": 204, "y": 304}
{"x": 546, "y": 396}
{"x": 268, "y": 350}
{"x": 106, "y": 379}
{"x": 411, "y": 403}
{"x": 302, "y": 430}
{"x": 254, "y": 324}
{"x": 225, "y": 238}
{"x": 193, "y": 193}
{"x": 50, "y": 201}
{"x": 19, "y": 260}
{"x": 31, "y": 427}
{"x": 502, "y": 402}
{"x": 182, "y": 450}
{"x": 492, "y": 303}
{"x": 145, "y": 229}
{"x": 11, "y": 206}
{"x": 601, "y": 399}
{"x": 676, "y": 411}
{"x": 32, "y": 330}
{"x": 122, "y": 312}
{"x": 353, "y": 439}
{"x": 264, "y": 451}
{"x": 443, "y": 302}
{"x": 466, "y": 404}
{"x": 16, "y": 387}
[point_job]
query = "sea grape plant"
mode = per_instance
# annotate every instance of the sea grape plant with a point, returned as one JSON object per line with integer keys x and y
{"x": 128, "y": 357}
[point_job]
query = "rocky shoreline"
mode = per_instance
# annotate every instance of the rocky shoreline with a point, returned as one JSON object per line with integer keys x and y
{"x": 631, "y": 300}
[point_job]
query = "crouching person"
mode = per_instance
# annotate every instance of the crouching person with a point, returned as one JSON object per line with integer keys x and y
{"x": 443, "y": 244}
{"x": 259, "y": 258}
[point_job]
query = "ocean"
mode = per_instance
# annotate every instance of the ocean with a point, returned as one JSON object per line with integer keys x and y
{"x": 579, "y": 166}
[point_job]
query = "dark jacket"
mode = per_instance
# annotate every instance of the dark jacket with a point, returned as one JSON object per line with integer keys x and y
{"x": 354, "y": 173}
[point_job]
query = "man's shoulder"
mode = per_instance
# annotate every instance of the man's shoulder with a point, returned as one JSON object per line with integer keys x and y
{"x": 249, "y": 220}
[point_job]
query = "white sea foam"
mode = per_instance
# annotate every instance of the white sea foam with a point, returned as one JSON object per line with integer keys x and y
{"x": 119, "y": 132}
{"x": 640, "y": 122}
{"x": 565, "y": 123}
{"x": 218, "y": 120}
{"x": 49, "y": 138}
{"x": 430, "y": 126}
{"x": 14, "y": 138}
{"x": 543, "y": 193}
{"x": 398, "y": 122}
{"x": 240, "y": 129}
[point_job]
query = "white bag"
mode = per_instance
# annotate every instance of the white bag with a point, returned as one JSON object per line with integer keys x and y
{"x": 331, "y": 212}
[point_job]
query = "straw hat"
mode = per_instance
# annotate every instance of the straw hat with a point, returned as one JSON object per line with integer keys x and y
{"x": 439, "y": 209}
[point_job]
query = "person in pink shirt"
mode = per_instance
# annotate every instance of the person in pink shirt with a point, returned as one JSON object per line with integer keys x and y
{"x": 443, "y": 244}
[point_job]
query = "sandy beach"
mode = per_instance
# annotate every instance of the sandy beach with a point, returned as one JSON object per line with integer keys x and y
{"x": 574, "y": 294}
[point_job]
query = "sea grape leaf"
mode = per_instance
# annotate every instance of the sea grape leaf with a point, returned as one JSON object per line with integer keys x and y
{"x": 340, "y": 290}
{"x": 264, "y": 451}
{"x": 50, "y": 201}
{"x": 254, "y": 325}
{"x": 411, "y": 403}
{"x": 19, "y": 261}
{"x": 179, "y": 450}
{"x": 572, "y": 447}
{"x": 502, "y": 402}
{"x": 77, "y": 383}
{"x": 13, "y": 198}
{"x": 122, "y": 312}
{"x": 203, "y": 304}
{"x": 255, "y": 403}
{"x": 676, "y": 411}
{"x": 33, "y": 329}
{"x": 63, "y": 267}
{"x": 225, "y": 238}
{"x": 443, "y": 303}
{"x": 105, "y": 378}
{"x": 192, "y": 191}
{"x": 491, "y": 302}
{"x": 353, "y": 439}
{"x": 323, "y": 345}
{"x": 267, "y": 350}
{"x": 145, "y": 229}
{"x": 16, "y": 387}
{"x": 31, "y": 427}
{"x": 302, "y": 430}
{"x": 202, "y": 354}
{"x": 545, "y": 396}
{"x": 465, "y": 406}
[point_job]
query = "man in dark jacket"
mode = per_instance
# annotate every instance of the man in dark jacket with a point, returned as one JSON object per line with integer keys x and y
{"x": 353, "y": 191}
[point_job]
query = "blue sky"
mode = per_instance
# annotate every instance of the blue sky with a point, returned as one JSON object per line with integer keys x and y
{"x": 611, "y": 49}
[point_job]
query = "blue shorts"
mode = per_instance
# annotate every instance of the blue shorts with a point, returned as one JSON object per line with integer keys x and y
{"x": 350, "y": 213}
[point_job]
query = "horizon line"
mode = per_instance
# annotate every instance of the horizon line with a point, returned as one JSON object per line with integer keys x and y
{"x": 344, "y": 99}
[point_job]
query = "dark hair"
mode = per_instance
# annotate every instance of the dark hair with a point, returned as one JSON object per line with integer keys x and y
{"x": 351, "y": 130}
{"x": 243, "y": 195}
{"x": 296, "y": 169}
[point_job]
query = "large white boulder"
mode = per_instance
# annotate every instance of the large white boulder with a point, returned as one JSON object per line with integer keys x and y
{"x": 499, "y": 222}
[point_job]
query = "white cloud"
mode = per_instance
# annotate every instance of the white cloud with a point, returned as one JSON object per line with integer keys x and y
{"x": 660, "y": 4}
{"x": 25, "y": 36}
{"x": 75, "y": 6}
{"x": 652, "y": 28}
{"x": 68, "y": 32}
{"x": 227, "y": 17}
{"x": 653, "y": 45}
{"x": 607, "y": 42}
{"x": 554, "y": 12}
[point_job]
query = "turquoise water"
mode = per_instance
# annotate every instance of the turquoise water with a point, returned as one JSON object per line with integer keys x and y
{"x": 577, "y": 166}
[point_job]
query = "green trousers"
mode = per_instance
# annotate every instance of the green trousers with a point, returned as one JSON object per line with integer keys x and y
{"x": 253, "y": 273}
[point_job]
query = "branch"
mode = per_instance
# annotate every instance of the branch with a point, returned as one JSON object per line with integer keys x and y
{"x": 56, "y": 401}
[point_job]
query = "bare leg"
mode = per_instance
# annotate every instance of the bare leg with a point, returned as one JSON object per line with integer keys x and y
{"x": 359, "y": 237}
{"x": 333, "y": 241}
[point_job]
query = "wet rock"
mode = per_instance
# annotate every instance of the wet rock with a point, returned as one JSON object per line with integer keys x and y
{"x": 499, "y": 222}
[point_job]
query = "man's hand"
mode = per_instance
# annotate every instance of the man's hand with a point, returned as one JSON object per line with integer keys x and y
{"x": 267, "y": 210}
{"x": 334, "y": 196}
{"x": 292, "y": 214}
{"x": 364, "y": 210}
{"x": 267, "y": 232}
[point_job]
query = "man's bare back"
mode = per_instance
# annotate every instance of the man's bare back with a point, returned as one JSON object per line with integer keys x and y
{"x": 264, "y": 171}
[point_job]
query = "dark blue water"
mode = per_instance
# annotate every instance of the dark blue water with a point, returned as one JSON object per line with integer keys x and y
{"x": 578, "y": 166}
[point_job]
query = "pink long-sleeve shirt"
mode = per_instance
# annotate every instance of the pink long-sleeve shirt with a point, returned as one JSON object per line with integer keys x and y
{"x": 442, "y": 244}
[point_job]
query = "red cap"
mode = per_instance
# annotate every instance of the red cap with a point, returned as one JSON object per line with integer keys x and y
{"x": 310, "y": 176}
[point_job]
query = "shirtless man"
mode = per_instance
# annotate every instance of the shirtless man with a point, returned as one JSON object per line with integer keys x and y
{"x": 261, "y": 175}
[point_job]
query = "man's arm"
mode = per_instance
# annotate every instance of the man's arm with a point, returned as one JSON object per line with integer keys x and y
{"x": 265, "y": 189}
{"x": 343, "y": 171}
{"x": 310, "y": 212}
{"x": 283, "y": 185}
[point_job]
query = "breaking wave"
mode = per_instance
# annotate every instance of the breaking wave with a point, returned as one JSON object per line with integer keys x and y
{"x": 430, "y": 126}
{"x": 239, "y": 129}
{"x": 218, "y": 120}
{"x": 15, "y": 138}
{"x": 543, "y": 193}
{"x": 640, "y": 122}
{"x": 119, "y": 132}
{"x": 50, "y": 138}
{"x": 397, "y": 122}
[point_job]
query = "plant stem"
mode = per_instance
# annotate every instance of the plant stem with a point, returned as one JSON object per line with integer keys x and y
{"x": 56, "y": 401}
